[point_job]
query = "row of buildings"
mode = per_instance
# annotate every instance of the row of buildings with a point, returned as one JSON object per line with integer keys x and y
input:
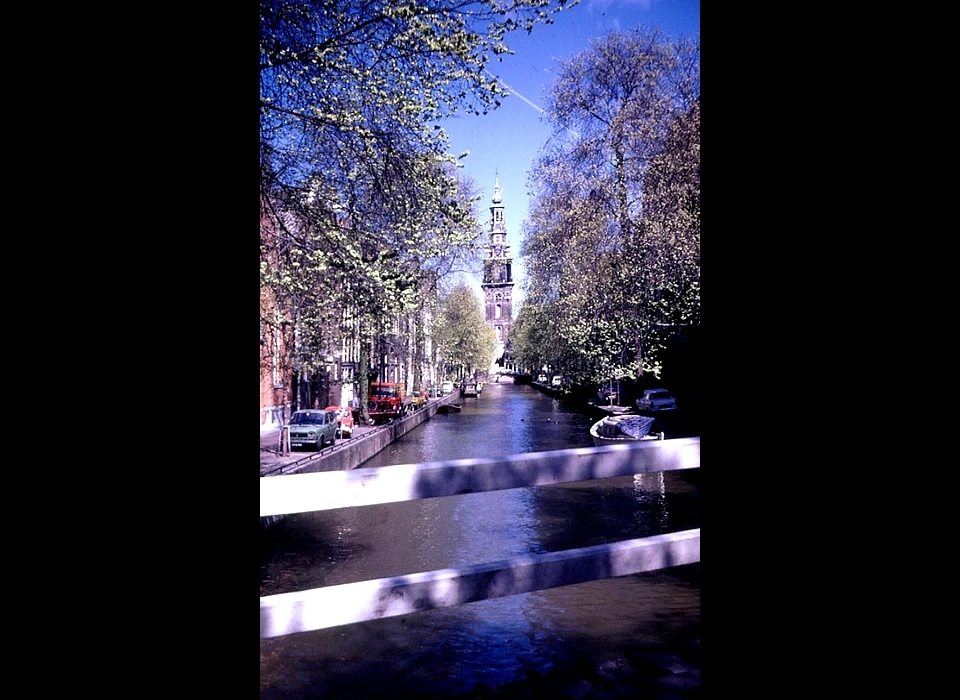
{"x": 394, "y": 355}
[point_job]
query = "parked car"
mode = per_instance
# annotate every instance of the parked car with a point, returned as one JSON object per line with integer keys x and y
{"x": 557, "y": 381}
{"x": 344, "y": 421}
{"x": 418, "y": 401}
{"x": 656, "y": 399}
{"x": 542, "y": 379}
{"x": 313, "y": 428}
{"x": 446, "y": 388}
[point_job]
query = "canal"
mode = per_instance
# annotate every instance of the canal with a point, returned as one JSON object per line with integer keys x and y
{"x": 611, "y": 627}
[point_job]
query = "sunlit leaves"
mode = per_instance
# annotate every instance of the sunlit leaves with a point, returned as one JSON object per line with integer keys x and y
{"x": 365, "y": 209}
{"x": 409, "y": 59}
{"x": 612, "y": 246}
{"x": 461, "y": 332}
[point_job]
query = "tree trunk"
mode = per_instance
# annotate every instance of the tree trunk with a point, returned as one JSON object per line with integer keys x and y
{"x": 363, "y": 379}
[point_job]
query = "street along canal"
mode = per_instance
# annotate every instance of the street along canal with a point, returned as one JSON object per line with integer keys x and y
{"x": 639, "y": 631}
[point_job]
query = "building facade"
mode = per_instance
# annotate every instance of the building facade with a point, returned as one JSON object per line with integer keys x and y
{"x": 293, "y": 377}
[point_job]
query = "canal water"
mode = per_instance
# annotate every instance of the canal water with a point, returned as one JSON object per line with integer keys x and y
{"x": 463, "y": 650}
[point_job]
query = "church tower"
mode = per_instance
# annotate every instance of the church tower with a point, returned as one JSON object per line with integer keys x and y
{"x": 497, "y": 282}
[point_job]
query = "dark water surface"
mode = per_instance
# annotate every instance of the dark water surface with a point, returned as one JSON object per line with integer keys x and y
{"x": 453, "y": 651}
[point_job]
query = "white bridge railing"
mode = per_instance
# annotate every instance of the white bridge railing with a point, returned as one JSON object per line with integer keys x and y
{"x": 330, "y": 606}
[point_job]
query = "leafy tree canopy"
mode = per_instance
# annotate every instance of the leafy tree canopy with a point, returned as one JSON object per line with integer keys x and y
{"x": 461, "y": 332}
{"x": 612, "y": 245}
{"x": 364, "y": 203}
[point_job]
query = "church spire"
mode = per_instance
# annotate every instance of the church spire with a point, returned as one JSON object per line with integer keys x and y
{"x": 497, "y": 281}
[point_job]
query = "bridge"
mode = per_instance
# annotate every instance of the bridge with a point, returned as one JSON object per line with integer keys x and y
{"x": 331, "y": 606}
{"x": 518, "y": 377}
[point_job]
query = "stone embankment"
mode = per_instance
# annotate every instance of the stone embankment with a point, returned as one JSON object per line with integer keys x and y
{"x": 344, "y": 454}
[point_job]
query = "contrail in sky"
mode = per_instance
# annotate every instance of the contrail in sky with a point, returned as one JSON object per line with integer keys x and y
{"x": 501, "y": 80}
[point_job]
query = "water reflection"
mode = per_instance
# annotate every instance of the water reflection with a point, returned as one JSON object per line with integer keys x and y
{"x": 506, "y": 419}
{"x": 650, "y": 491}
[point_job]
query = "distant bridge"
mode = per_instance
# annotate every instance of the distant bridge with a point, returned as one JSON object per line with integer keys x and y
{"x": 518, "y": 377}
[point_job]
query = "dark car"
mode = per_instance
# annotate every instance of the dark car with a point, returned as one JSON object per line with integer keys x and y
{"x": 656, "y": 400}
{"x": 313, "y": 428}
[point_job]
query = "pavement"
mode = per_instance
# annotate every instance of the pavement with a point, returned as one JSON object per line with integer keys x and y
{"x": 271, "y": 458}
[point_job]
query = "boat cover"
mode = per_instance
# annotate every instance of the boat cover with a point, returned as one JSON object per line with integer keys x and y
{"x": 631, "y": 426}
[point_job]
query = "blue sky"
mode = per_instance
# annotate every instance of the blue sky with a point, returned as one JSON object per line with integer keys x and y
{"x": 505, "y": 142}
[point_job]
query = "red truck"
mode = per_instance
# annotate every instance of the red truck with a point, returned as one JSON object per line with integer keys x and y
{"x": 387, "y": 401}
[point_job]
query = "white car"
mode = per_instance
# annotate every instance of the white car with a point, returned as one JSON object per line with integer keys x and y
{"x": 446, "y": 388}
{"x": 656, "y": 399}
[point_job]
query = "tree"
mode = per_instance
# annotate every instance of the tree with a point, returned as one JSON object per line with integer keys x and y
{"x": 355, "y": 86}
{"x": 671, "y": 219}
{"x": 613, "y": 278}
{"x": 339, "y": 69}
{"x": 366, "y": 204}
{"x": 463, "y": 337}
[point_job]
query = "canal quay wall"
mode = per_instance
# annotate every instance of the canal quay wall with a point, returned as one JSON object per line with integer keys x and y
{"x": 345, "y": 454}
{"x": 683, "y": 421}
{"x": 367, "y": 441}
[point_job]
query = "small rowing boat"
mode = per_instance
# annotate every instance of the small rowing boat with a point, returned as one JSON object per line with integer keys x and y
{"x": 449, "y": 408}
{"x": 616, "y": 430}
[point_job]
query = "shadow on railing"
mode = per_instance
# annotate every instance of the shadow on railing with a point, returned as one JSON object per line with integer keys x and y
{"x": 330, "y": 606}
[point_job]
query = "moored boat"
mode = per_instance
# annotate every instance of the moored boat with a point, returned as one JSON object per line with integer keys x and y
{"x": 612, "y": 410}
{"x": 617, "y": 430}
{"x": 449, "y": 408}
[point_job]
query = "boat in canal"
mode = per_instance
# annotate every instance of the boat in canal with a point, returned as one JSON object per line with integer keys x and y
{"x": 470, "y": 389}
{"x": 620, "y": 429}
{"x": 449, "y": 408}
